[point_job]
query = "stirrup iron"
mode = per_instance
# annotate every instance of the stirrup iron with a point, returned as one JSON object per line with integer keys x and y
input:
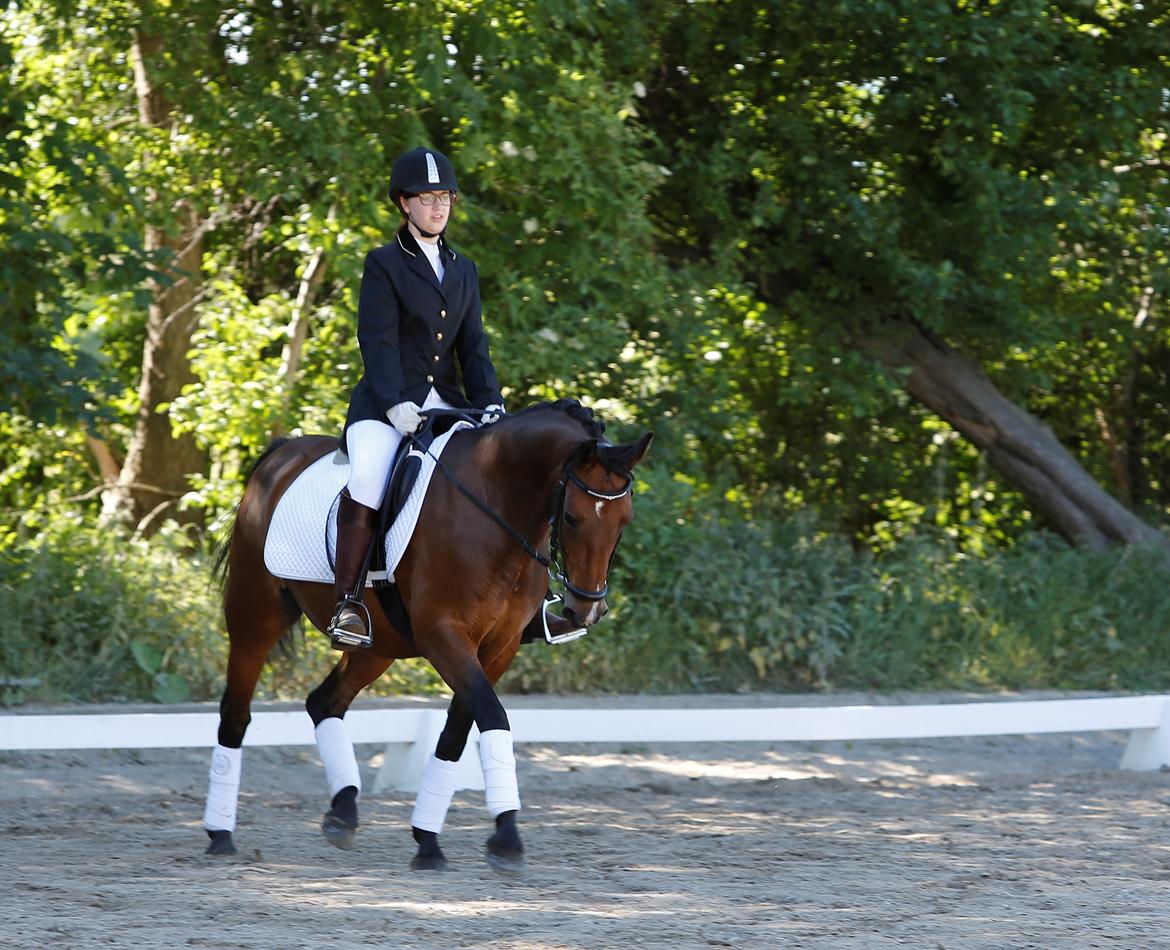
{"x": 569, "y": 635}
{"x": 348, "y": 639}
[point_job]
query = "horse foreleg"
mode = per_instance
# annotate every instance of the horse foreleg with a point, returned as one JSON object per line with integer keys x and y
{"x": 327, "y": 705}
{"x": 437, "y": 788}
{"x": 505, "y": 850}
{"x": 474, "y": 690}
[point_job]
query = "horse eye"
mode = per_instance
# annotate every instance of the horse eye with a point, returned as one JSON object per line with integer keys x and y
{"x": 571, "y": 521}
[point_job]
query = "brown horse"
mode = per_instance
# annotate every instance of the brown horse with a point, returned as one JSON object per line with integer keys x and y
{"x": 508, "y": 496}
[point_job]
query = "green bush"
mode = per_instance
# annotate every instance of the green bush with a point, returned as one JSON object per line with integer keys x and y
{"x": 704, "y": 599}
{"x": 96, "y": 615}
{"x": 1038, "y": 615}
{"x": 93, "y": 615}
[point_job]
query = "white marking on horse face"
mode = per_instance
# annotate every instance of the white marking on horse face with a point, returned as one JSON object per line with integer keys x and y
{"x": 594, "y": 614}
{"x": 597, "y": 508}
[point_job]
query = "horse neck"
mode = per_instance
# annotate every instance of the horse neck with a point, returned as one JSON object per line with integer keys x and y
{"x": 531, "y": 455}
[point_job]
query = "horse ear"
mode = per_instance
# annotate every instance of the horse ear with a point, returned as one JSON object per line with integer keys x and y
{"x": 625, "y": 457}
{"x": 641, "y": 447}
{"x": 585, "y": 453}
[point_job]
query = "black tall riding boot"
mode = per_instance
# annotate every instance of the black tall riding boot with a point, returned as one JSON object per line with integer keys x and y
{"x": 350, "y": 627}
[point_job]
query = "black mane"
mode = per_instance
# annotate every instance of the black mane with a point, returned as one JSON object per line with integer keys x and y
{"x": 593, "y": 426}
{"x": 615, "y": 458}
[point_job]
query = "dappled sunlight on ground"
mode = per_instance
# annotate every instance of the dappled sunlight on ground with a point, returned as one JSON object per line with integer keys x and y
{"x": 971, "y": 843}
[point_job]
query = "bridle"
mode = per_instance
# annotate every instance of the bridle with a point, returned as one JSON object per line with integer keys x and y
{"x": 557, "y": 568}
{"x": 557, "y": 571}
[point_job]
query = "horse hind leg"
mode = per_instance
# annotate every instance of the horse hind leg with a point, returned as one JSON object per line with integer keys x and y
{"x": 256, "y": 620}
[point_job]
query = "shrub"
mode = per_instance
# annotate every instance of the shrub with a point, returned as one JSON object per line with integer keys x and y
{"x": 705, "y": 598}
{"x": 710, "y": 600}
{"x": 95, "y": 615}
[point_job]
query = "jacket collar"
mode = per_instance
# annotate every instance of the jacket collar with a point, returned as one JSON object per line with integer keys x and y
{"x": 409, "y": 244}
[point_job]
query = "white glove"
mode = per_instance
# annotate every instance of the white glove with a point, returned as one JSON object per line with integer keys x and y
{"x": 491, "y": 414}
{"x": 405, "y": 417}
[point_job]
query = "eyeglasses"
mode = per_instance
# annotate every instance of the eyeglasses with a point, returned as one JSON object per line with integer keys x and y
{"x": 427, "y": 199}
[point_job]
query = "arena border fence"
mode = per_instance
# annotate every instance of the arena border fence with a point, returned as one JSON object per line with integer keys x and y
{"x": 410, "y": 733}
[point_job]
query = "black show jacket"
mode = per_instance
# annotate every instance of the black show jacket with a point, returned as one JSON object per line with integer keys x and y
{"x": 411, "y": 328}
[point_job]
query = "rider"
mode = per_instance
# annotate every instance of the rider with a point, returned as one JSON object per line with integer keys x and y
{"x": 418, "y": 313}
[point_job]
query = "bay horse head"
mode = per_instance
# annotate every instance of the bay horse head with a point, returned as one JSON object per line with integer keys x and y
{"x": 593, "y": 506}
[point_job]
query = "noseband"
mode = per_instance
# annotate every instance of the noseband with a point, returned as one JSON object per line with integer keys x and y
{"x": 557, "y": 568}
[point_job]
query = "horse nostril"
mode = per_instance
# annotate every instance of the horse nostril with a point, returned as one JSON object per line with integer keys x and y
{"x": 604, "y": 609}
{"x": 569, "y": 614}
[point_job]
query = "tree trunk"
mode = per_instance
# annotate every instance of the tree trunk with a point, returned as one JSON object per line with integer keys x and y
{"x": 1018, "y": 445}
{"x": 298, "y": 329}
{"x": 155, "y": 472}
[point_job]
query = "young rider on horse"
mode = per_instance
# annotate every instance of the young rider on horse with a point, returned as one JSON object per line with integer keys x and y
{"x": 418, "y": 311}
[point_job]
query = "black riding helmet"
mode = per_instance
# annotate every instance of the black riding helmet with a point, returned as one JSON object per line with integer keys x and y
{"x": 421, "y": 169}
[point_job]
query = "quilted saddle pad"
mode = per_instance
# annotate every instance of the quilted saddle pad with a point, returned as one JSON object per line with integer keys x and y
{"x": 302, "y": 536}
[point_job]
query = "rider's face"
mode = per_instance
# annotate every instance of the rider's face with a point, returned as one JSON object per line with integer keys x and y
{"x": 430, "y": 217}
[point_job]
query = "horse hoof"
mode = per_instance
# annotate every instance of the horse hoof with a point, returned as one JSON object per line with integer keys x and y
{"x": 507, "y": 863}
{"x": 505, "y": 860}
{"x": 339, "y": 833}
{"x": 221, "y": 843}
{"x": 428, "y": 863}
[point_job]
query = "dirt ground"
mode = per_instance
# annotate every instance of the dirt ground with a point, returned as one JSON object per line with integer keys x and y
{"x": 949, "y": 843}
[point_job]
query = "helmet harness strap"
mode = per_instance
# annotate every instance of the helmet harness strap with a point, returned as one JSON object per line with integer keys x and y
{"x": 425, "y": 233}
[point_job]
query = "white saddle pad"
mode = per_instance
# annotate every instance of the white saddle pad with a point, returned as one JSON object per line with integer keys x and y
{"x": 302, "y": 537}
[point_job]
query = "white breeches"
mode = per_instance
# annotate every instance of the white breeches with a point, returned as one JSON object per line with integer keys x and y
{"x": 370, "y": 445}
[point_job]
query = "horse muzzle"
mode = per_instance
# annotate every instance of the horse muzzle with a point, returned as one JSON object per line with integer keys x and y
{"x": 584, "y": 613}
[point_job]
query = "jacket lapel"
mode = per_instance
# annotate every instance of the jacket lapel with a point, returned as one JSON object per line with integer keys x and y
{"x": 417, "y": 260}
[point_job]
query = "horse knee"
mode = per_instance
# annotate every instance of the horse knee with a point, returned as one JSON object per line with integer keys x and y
{"x": 484, "y": 705}
{"x": 316, "y": 706}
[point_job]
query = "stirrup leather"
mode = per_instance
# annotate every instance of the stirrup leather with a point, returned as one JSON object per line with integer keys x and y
{"x": 348, "y": 630}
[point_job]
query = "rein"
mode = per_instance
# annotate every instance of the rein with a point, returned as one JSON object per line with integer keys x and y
{"x": 527, "y": 545}
{"x": 550, "y": 561}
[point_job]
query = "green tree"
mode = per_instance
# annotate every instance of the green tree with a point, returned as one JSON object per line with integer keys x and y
{"x": 256, "y": 147}
{"x": 942, "y": 189}
{"x": 56, "y": 179}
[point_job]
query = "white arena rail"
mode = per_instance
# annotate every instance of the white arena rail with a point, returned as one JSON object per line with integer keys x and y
{"x": 410, "y": 734}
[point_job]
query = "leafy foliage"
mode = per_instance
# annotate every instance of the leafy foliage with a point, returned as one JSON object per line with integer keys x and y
{"x": 687, "y": 215}
{"x": 775, "y": 604}
{"x": 97, "y": 615}
{"x": 738, "y": 606}
{"x": 981, "y": 169}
